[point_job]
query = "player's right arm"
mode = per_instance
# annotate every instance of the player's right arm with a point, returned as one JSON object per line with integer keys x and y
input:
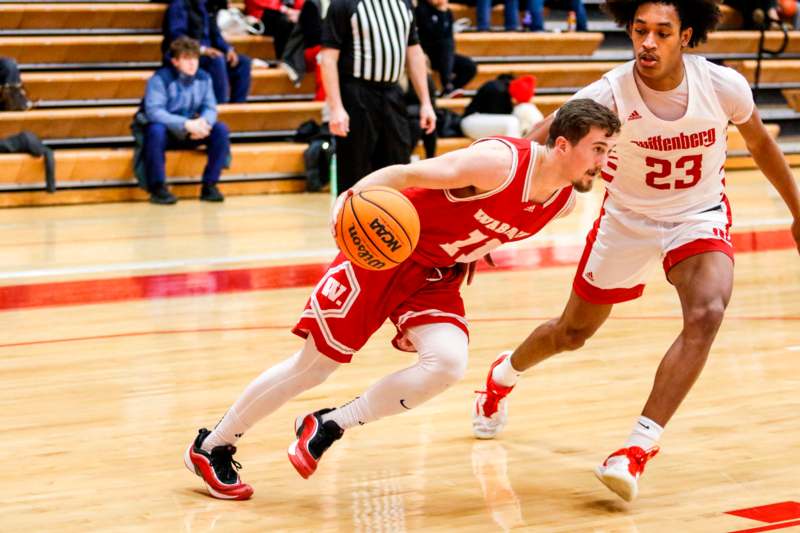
{"x": 599, "y": 91}
{"x": 484, "y": 166}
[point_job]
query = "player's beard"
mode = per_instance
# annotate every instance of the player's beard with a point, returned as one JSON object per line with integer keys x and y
{"x": 583, "y": 186}
{"x": 586, "y": 186}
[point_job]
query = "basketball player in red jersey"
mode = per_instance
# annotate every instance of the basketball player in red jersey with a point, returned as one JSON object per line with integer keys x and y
{"x": 469, "y": 202}
{"x": 665, "y": 204}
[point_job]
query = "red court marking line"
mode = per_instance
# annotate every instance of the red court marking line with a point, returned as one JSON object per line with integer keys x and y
{"x": 288, "y": 328}
{"x": 768, "y": 528}
{"x": 143, "y": 334}
{"x": 773, "y": 512}
{"x": 108, "y": 290}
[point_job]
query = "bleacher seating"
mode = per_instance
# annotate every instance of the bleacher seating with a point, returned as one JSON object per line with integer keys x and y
{"x": 86, "y": 65}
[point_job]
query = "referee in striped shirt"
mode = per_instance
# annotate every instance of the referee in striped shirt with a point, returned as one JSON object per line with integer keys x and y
{"x": 365, "y": 47}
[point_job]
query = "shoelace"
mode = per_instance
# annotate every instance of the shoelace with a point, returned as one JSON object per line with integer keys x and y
{"x": 640, "y": 457}
{"x": 222, "y": 457}
{"x": 491, "y": 402}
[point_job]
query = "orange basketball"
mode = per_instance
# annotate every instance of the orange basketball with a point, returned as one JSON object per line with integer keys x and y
{"x": 788, "y": 8}
{"x": 377, "y": 228}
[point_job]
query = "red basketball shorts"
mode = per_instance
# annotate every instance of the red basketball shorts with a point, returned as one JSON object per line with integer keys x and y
{"x": 350, "y": 303}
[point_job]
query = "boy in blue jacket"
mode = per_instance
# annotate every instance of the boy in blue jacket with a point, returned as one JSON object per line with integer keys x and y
{"x": 181, "y": 112}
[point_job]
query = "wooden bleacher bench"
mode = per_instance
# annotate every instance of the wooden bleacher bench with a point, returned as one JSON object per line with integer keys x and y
{"x": 122, "y": 84}
{"x": 516, "y": 44}
{"x": 28, "y": 16}
{"x": 106, "y": 175}
{"x": 792, "y": 97}
{"x": 772, "y": 70}
{"x": 80, "y": 172}
{"x": 546, "y": 104}
{"x": 92, "y": 122}
{"x": 572, "y": 74}
{"x": 746, "y": 42}
{"x": 147, "y": 48}
{"x": 110, "y": 48}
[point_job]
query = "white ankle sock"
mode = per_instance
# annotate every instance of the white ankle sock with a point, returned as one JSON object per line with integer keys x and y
{"x": 227, "y": 431}
{"x": 505, "y": 374}
{"x": 645, "y": 434}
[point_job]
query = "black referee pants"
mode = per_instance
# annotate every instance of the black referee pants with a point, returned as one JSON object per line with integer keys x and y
{"x": 379, "y": 134}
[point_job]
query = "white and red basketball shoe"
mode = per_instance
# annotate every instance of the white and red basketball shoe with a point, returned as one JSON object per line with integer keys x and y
{"x": 217, "y": 469}
{"x": 313, "y": 438}
{"x": 621, "y": 471}
{"x": 490, "y": 413}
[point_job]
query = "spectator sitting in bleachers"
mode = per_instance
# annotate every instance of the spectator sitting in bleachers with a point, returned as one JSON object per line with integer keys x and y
{"x": 279, "y": 19}
{"x": 536, "y": 10}
{"x": 301, "y": 53}
{"x": 12, "y": 92}
{"x": 435, "y": 26}
{"x": 483, "y": 14}
{"x": 229, "y": 71}
{"x": 502, "y": 107}
{"x": 179, "y": 111}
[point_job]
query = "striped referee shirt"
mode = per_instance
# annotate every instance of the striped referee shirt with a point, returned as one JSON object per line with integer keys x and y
{"x": 372, "y": 37}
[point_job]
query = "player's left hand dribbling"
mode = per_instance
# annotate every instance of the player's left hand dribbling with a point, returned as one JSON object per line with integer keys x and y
{"x": 337, "y": 207}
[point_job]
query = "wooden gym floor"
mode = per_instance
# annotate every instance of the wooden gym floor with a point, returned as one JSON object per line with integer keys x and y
{"x": 165, "y": 313}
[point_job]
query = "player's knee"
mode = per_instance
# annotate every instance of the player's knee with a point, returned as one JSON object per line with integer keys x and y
{"x": 706, "y": 317}
{"x": 447, "y": 364}
{"x": 455, "y": 365}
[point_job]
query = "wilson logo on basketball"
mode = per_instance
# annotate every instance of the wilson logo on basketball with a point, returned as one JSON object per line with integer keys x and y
{"x": 377, "y": 228}
{"x": 367, "y": 258}
{"x": 385, "y": 235}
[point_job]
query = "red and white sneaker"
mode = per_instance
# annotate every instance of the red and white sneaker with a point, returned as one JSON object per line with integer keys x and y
{"x": 217, "y": 469}
{"x": 620, "y": 472}
{"x": 490, "y": 414}
{"x": 313, "y": 438}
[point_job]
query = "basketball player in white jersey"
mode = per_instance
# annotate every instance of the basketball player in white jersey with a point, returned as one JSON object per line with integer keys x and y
{"x": 665, "y": 204}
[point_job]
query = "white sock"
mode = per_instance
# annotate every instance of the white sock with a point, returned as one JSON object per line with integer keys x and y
{"x": 442, "y": 350}
{"x": 645, "y": 434}
{"x": 274, "y": 387}
{"x": 505, "y": 374}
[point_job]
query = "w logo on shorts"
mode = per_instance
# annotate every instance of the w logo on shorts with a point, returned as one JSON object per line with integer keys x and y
{"x": 336, "y": 291}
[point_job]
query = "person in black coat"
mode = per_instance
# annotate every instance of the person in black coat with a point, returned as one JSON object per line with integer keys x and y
{"x": 435, "y": 26}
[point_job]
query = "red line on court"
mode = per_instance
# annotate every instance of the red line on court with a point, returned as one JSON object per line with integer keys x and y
{"x": 768, "y": 528}
{"x": 108, "y": 290}
{"x": 773, "y": 512}
{"x": 288, "y": 327}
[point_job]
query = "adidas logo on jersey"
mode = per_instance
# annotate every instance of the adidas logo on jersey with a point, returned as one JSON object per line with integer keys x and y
{"x": 530, "y": 209}
{"x": 635, "y": 115}
{"x": 589, "y": 276}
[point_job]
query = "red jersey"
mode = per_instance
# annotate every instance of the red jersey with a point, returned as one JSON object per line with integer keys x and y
{"x": 465, "y": 229}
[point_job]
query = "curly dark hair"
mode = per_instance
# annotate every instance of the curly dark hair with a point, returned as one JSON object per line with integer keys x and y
{"x": 700, "y": 15}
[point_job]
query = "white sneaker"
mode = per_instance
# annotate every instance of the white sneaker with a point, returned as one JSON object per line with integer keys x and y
{"x": 620, "y": 472}
{"x": 490, "y": 412}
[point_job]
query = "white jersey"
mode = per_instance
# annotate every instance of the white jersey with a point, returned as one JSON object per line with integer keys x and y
{"x": 669, "y": 170}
